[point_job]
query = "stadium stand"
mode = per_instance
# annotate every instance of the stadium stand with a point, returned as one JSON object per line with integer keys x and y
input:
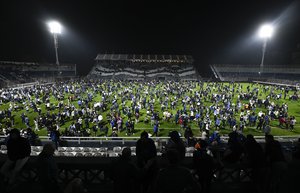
{"x": 16, "y": 73}
{"x": 93, "y": 165}
{"x": 131, "y": 66}
{"x": 271, "y": 73}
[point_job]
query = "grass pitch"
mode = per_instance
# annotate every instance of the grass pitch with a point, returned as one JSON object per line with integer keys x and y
{"x": 166, "y": 126}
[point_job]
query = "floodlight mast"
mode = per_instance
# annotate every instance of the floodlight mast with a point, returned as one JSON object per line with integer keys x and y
{"x": 55, "y": 29}
{"x": 264, "y": 47}
{"x": 265, "y": 32}
{"x": 56, "y": 47}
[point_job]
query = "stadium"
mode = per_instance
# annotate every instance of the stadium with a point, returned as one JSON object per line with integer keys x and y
{"x": 143, "y": 121}
{"x": 124, "y": 95}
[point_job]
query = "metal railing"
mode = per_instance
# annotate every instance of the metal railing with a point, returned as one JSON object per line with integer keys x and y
{"x": 290, "y": 138}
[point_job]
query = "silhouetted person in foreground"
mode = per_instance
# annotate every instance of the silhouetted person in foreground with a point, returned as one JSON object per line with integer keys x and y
{"x": 145, "y": 149}
{"x": 234, "y": 150}
{"x": 255, "y": 159}
{"x": 125, "y": 174}
{"x": 47, "y": 169}
{"x": 276, "y": 161}
{"x": 188, "y": 135}
{"x": 203, "y": 165}
{"x": 18, "y": 152}
{"x": 175, "y": 143}
{"x": 146, "y": 160}
{"x": 175, "y": 178}
{"x": 291, "y": 180}
{"x": 55, "y": 137}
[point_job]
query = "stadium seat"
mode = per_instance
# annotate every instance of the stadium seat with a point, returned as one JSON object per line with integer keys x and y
{"x": 117, "y": 149}
{"x": 3, "y": 151}
{"x": 79, "y": 154}
{"x": 33, "y": 153}
{"x": 86, "y": 149}
{"x": 189, "y": 149}
{"x": 40, "y": 148}
{"x": 59, "y": 154}
{"x": 133, "y": 149}
{"x": 69, "y": 149}
{"x": 61, "y": 149}
{"x": 113, "y": 154}
{"x": 94, "y": 149}
{"x": 3, "y": 147}
{"x": 188, "y": 154}
{"x": 34, "y": 148}
{"x": 68, "y": 154}
{"x": 87, "y": 154}
{"x": 78, "y": 149}
{"x": 103, "y": 149}
{"x": 100, "y": 154}
{"x": 37, "y": 148}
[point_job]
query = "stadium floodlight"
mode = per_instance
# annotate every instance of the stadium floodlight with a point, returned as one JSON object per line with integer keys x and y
{"x": 265, "y": 32}
{"x": 55, "y": 29}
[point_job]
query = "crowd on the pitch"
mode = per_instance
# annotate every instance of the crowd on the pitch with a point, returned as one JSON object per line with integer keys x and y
{"x": 86, "y": 104}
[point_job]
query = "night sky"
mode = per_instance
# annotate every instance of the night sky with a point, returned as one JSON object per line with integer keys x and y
{"x": 211, "y": 31}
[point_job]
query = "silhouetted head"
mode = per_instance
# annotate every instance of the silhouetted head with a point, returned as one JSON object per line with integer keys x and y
{"x": 269, "y": 138}
{"x": 203, "y": 144}
{"x": 144, "y": 135}
{"x": 14, "y": 134}
{"x": 174, "y": 135}
{"x": 48, "y": 149}
{"x": 233, "y": 138}
{"x": 126, "y": 153}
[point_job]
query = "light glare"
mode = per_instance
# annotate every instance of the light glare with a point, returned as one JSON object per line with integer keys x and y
{"x": 55, "y": 27}
{"x": 266, "y": 31}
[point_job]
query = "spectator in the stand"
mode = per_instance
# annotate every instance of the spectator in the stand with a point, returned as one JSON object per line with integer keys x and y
{"x": 203, "y": 165}
{"x": 255, "y": 159}
{"x": 145, "y": 149}
{"x": 215, "y": 138}
{"x": 18, "y": 152}
{"x": 176, "y": 143}
{"x": 276, "y": 161}
{"x": 47, "y": 169}
{"x": 125, "y": 174}
{"x": 175, "y": 178}
{"x": 146, "y": 154}
{"x": 55, "y": 136}
{"x": 234, "y": 150}
{"x": 31, "y": 136}
{"x": 188, "y": 135}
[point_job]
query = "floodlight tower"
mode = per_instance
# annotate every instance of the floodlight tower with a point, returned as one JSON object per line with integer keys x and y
{"x": 265, "y": 32}
{"x": 55, "y": 29}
